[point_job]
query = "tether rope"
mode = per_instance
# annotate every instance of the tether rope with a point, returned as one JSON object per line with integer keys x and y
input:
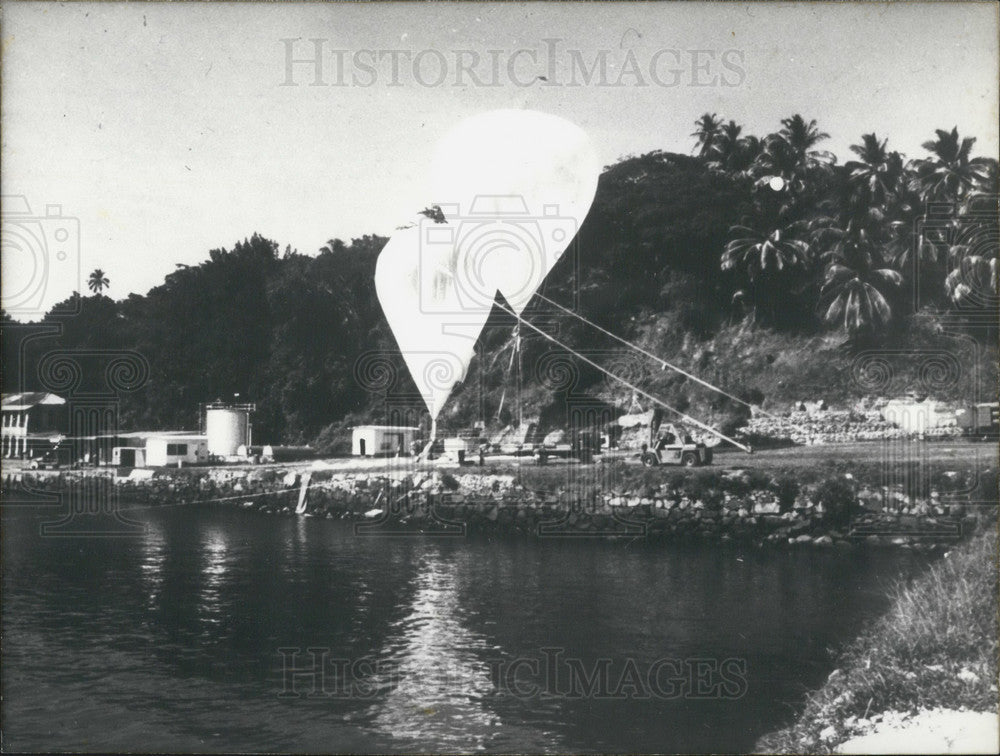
{"x": 651, "y": 397}
{"x": 663, "y": 363}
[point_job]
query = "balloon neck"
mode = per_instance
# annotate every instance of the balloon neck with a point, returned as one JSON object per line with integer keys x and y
{"x": 426, "y": 453}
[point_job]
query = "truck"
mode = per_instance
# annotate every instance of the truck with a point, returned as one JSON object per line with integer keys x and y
{"x": 980, "y": 420}
{"x": 584, "y": 443}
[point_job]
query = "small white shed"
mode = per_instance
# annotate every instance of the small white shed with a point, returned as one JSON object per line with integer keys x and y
{"x": 128, "y": 456}
{"x": 171, "y": 450}
{"x": 375, "y": 440}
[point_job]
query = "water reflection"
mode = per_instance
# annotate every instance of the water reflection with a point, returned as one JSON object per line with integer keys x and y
{"x": 215, "y": 564}
{"x": 169, "y": 641}
{"x": 439, "y": 682}
{"x": 152, "y": 559}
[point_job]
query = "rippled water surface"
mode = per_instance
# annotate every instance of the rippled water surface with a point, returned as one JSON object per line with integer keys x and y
{"x": 184, "y": 638}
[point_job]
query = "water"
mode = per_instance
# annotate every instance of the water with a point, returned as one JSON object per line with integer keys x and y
{"x": 171, "y": 640}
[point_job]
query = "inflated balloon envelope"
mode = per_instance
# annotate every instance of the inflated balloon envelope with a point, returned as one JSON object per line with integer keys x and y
{"x": 514, "y": 187}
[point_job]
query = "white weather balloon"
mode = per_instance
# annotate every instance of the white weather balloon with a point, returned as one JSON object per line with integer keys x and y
{"x": 514, "y": 186}
{"x": 436, "y": 334}
{"x": 517, "y": 184}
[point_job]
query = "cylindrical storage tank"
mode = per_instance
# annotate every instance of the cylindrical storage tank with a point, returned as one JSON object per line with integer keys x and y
{"x": 226, "y": 430}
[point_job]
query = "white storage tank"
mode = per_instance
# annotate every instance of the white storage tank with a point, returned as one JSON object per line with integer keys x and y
{"x": 227, "y": 428}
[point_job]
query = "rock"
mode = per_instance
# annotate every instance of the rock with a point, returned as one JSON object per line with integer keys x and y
{"x": 828, "y": 733}
{"x": 967, "y": 676}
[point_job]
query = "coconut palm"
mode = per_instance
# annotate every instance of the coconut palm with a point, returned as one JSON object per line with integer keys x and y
{"x": 973, "y": 282}
{"x": 856, "y": 284}
{"x": 790, "y": 154}
{"x": 707, "y": 129}
{"x": 974, "y": 246}
{"x": 874, "y": 179}
{"x": 763, "y": 256}
{"x": 802, "y": 136}
{"x": 914, "y": 238}
{"x": 731, "y": 152}
{"x": 949, "y": 175}
{"x": 97, "y": 281}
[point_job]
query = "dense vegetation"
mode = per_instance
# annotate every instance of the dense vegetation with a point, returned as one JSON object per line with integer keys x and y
{"x": 751, "y": 255}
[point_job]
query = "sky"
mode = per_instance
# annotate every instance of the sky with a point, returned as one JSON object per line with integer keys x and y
{"x": 141, "y": 135}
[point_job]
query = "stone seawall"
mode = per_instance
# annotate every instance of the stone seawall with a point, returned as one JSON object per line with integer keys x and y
{"x": 733, "y": 506}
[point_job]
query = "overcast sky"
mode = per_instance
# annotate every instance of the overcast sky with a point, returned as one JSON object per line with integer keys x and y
{"x": 171, "y": 129}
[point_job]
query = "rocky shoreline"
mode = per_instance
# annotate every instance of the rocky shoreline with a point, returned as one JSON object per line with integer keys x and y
{"x": 920, "y": 679}
{"x": 706, "y": 505}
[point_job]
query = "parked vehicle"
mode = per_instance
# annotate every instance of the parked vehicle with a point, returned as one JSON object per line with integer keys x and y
{"x": 47, "y": 461}
{"x": 980, "y": 420}
{"x": 672, "y": 447}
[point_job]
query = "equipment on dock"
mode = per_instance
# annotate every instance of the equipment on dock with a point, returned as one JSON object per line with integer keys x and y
{"x": 673, "y": 447}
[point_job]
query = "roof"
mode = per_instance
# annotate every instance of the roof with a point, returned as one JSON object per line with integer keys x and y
{"x": 138, "y": 435}
{"x": 27, "y": 400}
{"x": 387, "y": 427}
{"x": 176, "y": 437}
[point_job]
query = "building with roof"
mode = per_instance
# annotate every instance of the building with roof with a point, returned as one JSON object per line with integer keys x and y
{"x": 31, "y": 420}
{"x": 379, "y": 440}
{"x": 174, "y": 450}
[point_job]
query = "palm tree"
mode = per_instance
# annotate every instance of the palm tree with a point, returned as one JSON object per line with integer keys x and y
{"x": 876, "y": 177}
{"x": 732, "y": 153}
{"x": 98, "y": 282}
{"x": 706, "y": 132}
{"x": 790, "y": 154}
{"x": 973, "y": 282}
{"x": 855, "y": 287}
{"x": 763, "y": 256}
{"x": 802, "y": 136}
{"x": 726, "y": 141}
{"x": 950, "y": 174}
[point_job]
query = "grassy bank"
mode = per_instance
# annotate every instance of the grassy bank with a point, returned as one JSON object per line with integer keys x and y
{"x": 936, "y": 647}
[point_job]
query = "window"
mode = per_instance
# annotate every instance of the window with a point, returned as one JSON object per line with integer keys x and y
{"x": 177, "y": 450}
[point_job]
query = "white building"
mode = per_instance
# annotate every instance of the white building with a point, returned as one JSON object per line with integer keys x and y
{"x": 172, "y": 450}
{"x": 29, "y": 419}
{"x": 375, "y": 440}
{"x": 919, "y": 417}
{"x": 128, "y": 456}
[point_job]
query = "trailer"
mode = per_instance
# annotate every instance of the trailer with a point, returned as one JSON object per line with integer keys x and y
{"x": 982, "y": 419}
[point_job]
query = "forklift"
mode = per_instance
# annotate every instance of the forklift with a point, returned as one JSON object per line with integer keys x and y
{"x": 670, "y": 445}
